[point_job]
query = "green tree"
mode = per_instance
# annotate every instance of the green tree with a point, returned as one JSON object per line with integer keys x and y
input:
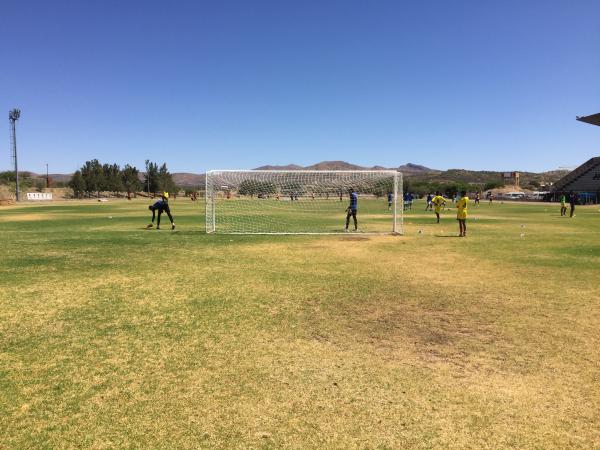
{"x": 77, "y": 183}
{"x": 151, "y": 177}
{"x": 7, "y": 177}
{"x": 39, "y": 184}
{"x": 26, "y": 180}
{"x": 130, "y": 177}
{"x": 93, "y": 177}
{"x": 165, "y": 180}
{"x": 112, "y": 178}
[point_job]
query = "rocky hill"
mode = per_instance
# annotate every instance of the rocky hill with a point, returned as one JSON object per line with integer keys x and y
{"x": 186, "y": 179}
{"x": 409, "y": 168}
{"x": 288, "y": 167}
{"x": 415, "y": 169}
{"x": 58, "y": 177}
{"x": 335, "y": 165}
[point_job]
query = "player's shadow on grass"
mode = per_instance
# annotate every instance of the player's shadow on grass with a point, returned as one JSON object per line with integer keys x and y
{"x": 169, "y": 231}
{"x": 445, "y": 236}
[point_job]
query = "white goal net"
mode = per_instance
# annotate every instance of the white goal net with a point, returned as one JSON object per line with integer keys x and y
{"x": 303, "y": 201}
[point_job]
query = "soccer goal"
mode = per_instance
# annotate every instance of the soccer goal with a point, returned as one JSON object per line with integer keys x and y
{"x": 303, "y": 201}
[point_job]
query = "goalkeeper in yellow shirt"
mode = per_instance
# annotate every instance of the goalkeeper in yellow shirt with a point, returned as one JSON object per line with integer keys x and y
{"x": 438, "y": 202}
{"x": 461, "y": 214}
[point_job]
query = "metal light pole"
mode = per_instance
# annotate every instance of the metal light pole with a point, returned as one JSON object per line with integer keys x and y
{"x": 13, "y": 116}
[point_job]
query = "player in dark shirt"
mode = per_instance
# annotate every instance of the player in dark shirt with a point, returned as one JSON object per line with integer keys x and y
{"x": 351, "y": 210}
{"x": 572, "y": 202}
{"x": 390, "y": 200}
{"x": 161, "y": 206}
{"x": 429, "y": 205}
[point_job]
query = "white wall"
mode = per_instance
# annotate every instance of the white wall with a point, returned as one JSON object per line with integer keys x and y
{"x": 39, "y": 196}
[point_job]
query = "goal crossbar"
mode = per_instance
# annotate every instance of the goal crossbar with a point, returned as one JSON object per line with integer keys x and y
{"x": 391, "y": 172}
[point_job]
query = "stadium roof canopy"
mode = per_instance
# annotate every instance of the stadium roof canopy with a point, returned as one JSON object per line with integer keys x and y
{"x": 594, "y": 119}
{"x": 586, "y": 178}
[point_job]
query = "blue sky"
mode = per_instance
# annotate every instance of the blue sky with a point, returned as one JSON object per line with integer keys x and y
{"x": 237, "y": 84}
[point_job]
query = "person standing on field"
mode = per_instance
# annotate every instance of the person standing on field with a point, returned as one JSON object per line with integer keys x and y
{"x": 390, "y": 200}
{"x": 352, "y": 209}
{"x": 572, "y": 202}
{"x": 563, "y": 205}
{"x": 438, "y": 202}
{"x": 429, "y": 204}
{"x": 461, "y": 214}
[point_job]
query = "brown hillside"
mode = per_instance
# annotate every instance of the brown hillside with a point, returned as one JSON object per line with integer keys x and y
{"x": 288, "y": 167}
{"x": 185, "y": 179}
{"x": 411, "y": 169}
{"x": 334, "y": 165}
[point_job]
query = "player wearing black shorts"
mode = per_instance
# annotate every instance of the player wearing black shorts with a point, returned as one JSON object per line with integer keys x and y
{"x": 351, "y": 210}
{"x": 572, "y": 203}
{"x": 161, "y": 206}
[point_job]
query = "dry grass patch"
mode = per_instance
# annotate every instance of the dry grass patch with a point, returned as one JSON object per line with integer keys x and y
{"x": 124, "y": 338}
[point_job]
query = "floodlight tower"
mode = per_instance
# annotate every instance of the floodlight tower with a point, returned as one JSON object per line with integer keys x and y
{"x": 13, "y": 116}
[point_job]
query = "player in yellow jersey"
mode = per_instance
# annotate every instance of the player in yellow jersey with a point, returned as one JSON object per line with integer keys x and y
{"x": 438, "y": 202}
{"x": 461, "y": 214}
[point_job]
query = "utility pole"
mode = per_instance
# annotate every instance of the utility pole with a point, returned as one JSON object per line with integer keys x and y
{"x": 148, "y": 176}
{"x": 13, "y": 116}
{"x": 47, "y": 177}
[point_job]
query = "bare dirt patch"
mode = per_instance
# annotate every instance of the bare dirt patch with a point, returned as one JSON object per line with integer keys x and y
{"x": 355, "y": 238}
{"x": 24, "y": 217}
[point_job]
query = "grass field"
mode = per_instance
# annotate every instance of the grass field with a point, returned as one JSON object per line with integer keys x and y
{"x": 115, "y": 336}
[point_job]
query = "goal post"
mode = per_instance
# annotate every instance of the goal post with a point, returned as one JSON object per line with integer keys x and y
{"x": 303, "y": 201}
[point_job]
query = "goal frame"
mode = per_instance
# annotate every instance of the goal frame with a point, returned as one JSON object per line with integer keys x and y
{"x": 397, "y": 214}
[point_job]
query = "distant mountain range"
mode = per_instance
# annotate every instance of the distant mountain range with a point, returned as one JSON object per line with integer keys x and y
{"x": 343, "y": 165}
{"x": 192, "y": 179}
{"x": 413, "y": 172}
